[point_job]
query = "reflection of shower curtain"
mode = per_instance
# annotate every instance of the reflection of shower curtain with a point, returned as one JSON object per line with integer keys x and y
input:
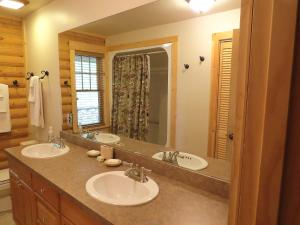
{"x": 131, "y": 85}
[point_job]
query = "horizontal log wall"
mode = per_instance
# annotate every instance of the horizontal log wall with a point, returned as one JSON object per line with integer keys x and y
{"x": 12, "y": 67}
{"x": 64, "y": 64}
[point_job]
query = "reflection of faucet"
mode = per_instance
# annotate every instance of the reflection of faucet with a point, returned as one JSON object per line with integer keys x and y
{"x": 90, "y": 135}
{"x": 86, "y": 134}
{"x": 171, "y": 157}
{"x": 137, "y": 173}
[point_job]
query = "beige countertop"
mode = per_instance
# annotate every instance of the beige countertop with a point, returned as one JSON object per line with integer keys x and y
{"x": 176, "y": 204}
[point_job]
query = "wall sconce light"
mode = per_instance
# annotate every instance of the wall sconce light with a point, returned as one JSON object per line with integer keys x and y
{"x": 13, "y": 4}
{"x": 200, "y": 5}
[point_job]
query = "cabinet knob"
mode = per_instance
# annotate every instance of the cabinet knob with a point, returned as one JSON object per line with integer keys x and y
{"x": 43, "y": 220}
{"x": 42, "y": 190}
{"x": 19, "y": 184}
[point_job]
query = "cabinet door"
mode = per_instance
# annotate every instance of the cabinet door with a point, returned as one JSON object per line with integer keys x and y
{"x": 65, "y": 221}
{"x": 28, "y": 201}
{"x": 22, "y": 199}
{"x": 45, "y": 214}
{"x": 16, "y": 196}
{"x": 45, "y": 190}
{"x": 74, "y": 213}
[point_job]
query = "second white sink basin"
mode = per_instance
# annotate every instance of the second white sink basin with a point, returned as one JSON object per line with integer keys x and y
{"x": 43, "y": 151}
{"x": 186, "y": 160}
{"x": 107, "y": 138}
{"x": 117, "y": 189}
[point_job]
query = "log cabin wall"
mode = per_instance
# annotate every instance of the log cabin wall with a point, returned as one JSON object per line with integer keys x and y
{"x": 64, "y": 64}
{"x": 12, "y": 67}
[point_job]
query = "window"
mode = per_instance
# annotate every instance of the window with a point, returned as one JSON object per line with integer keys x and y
{"x": 89, "y": 89}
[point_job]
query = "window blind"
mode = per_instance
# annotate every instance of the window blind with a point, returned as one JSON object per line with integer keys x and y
{"x": 89, "y": 89}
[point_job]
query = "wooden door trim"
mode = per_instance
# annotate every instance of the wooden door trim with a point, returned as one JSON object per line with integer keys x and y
{"x": 233, "y": 92}
{"x": 174, "y": 60}
{"x": 216, "y": 38}
{"x": 142, "y": 44}
{"x": 289, "y": 204}
{"x": 266, "y": 59}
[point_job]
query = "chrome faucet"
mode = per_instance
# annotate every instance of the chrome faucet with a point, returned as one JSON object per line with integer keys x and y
{"x": 171, "y": 157}
{"x": 137, "y": 173}
{"x": 58, "y": 142}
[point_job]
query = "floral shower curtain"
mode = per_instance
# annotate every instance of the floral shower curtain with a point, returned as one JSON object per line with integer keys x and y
{"x": 131, "y": 86}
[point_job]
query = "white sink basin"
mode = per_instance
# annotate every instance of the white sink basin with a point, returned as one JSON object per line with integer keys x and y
{"x": 117, "y": 189}
{"x": 107, "y": 138}
{"x": 186, "y": 160}
{"x": 43, "y": 151}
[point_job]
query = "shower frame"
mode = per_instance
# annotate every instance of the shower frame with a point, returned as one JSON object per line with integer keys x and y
{"x": 171, "y": 50}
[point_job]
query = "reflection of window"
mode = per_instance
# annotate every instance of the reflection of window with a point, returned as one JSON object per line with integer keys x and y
{"x": 89, "y": 89}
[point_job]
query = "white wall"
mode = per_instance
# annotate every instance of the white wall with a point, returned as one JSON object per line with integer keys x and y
{"x": 193, "y": 93}
{"x": 158, "y": 99}
{"x": 41, "y": 33}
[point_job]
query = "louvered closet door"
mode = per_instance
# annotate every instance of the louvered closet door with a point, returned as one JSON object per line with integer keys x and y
{"x": 222, "y": 141}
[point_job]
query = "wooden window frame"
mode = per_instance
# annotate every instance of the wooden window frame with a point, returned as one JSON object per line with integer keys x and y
{"x": 216, "y": 38}
{"x": 93, "y": 50}
{"x": 100, "y": 92}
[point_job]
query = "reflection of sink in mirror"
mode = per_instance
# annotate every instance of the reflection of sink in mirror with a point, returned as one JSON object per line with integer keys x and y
{"x": 107, "y": 138}
{"x": 185, "y": 160}
{"x": 43, "y": 151}
{"x": 117, "y": 189}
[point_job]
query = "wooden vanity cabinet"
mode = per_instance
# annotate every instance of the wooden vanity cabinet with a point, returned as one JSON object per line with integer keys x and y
{"x": 75, "y": 214}
{"x": 45, "y": 191}
{"x": 45, "y": 214}
{"x": 22, "y": 201}
{"x": 37, "y": 202}
{"x": 65, "y": 221}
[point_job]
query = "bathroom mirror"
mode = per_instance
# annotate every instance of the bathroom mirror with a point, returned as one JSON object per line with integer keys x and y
{"x": 155, "y": 80}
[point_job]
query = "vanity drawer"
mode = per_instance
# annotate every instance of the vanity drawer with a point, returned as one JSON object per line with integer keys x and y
{"x": 44, "y": 189}
{"x": 76, "y": 214}
{"x": 45, "y": 215}
{"x": 20, "y": 170}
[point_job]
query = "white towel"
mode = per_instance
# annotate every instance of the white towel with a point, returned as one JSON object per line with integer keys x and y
{"x": 5, "y": 122}
{"x": 35, "y": 99}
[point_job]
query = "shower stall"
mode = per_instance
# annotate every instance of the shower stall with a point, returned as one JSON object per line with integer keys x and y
{"x": 149, "y": 68}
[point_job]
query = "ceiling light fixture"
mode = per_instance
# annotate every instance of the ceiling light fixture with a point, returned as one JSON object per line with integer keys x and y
{"x": 200, "y": 5}
{"x": 13, "y": 4}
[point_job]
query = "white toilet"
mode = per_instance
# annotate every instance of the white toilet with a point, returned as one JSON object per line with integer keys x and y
{"x": 5, "y": 201}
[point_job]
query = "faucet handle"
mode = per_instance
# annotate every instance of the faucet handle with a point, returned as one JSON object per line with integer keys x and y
{"x": 145, "y": 171}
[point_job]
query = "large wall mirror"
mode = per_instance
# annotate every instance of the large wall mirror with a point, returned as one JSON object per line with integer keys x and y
{"x": 159, "y": 79}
